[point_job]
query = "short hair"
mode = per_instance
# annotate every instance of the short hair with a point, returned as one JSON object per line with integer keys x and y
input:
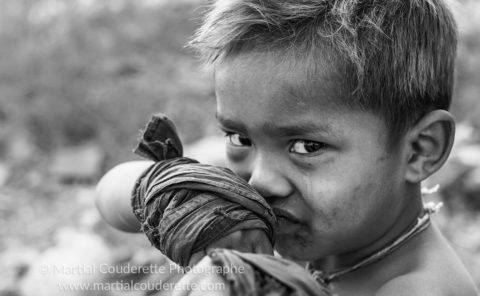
{"x": 397, "y": 56}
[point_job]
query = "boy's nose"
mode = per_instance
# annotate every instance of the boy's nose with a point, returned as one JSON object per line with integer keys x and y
{"x": 268, "y": 178}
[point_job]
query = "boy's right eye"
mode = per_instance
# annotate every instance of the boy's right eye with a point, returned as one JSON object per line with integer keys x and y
{"x": 238, "y": 140}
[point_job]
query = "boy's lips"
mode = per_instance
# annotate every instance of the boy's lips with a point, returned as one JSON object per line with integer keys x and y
{"x": 285, "y": 215}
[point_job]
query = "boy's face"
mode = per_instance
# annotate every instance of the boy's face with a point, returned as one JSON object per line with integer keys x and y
{"x": 323, "y": 168}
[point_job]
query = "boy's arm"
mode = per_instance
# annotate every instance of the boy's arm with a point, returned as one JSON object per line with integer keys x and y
{"x": 113, "y": 194}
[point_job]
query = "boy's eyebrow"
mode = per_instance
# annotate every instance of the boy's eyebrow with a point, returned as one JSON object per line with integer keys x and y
{"x": 287, "y": 130}
{"x": 297, "y": 128}
{"x": 228, "y": 123}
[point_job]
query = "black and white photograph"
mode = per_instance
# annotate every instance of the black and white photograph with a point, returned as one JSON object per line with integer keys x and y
{"x": 239, "y": 147}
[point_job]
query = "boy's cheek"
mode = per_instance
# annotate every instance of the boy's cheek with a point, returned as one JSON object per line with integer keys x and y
{"x": 337, "y": 208}
{"x": 326, "y": 199}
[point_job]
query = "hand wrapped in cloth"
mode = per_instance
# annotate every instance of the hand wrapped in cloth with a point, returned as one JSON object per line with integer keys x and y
{"x": 184, "y": 207}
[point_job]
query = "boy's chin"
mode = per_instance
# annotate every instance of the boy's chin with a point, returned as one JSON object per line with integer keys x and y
{"x": 293, "y": 250}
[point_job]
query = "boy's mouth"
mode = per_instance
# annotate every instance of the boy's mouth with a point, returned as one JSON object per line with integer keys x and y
{"x": 285, "y": 216}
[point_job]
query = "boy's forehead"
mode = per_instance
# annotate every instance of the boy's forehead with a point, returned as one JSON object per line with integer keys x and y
{"x": 299, "y": 83}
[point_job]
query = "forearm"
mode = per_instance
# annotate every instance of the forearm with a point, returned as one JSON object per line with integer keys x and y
{"x": 113, "y": 195}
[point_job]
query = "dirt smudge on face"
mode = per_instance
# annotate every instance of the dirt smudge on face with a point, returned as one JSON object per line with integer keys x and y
{"x": 310, "y": 195}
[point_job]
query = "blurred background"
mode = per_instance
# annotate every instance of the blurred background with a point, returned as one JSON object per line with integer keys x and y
{"x": 79, "y": 78}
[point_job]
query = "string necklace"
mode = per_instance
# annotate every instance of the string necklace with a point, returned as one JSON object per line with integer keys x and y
{"x": 422, "y": 223}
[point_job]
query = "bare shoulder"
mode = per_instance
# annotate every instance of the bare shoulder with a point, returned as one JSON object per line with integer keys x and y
{"x": 425, "y": 285}
{"x": 435, "y": 269}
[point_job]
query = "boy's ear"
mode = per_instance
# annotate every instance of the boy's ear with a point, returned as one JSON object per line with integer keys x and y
{"x": 429, "y": 144}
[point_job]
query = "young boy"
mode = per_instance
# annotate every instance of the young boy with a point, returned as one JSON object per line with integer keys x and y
{"x": 335, "y": 111}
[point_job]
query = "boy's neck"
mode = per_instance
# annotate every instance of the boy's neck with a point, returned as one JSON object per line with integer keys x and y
{"x": 406, "y": 220}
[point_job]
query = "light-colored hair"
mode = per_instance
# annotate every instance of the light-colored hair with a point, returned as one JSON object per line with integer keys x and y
{"x": 397, "y": 56}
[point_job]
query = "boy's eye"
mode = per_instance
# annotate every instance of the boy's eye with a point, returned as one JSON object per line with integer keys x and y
{"x": 306, "y": 147}
{"x": 238, "y": 140}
